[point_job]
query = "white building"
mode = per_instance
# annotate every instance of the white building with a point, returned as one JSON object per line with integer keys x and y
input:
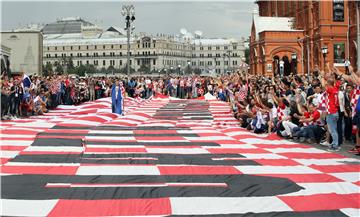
{"x": 85, "y": 43}
{"x": 5, "y": 54}
{"x": 26, "y": 51}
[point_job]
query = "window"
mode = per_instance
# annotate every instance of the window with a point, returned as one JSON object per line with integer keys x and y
{"x": 209, "y": 63}
{"x": 87, "y": 47}
{"x": 79, "y": 47}
{"x": 71, "y": 47}
{"x": 234, "y": 63}
{"x": 87, "y": 54}
{"x": 218, "y": 55}
{"x": 95, "y": 46}
{"x": 202, "y": 55}
{"x": 218, "y": 63}
{"x": 193, "y": 63}
{"x": 103, "y": 46}
{"x": 71, "y": 55}
{"x": 201, "y": 48}
{"x": 234, "y": 47}
{"x": 154, "y": 45}
{"x": 209, "y": 48}
{"x": 338, "y": 11}
{"x": 120, "y": 62}
{"x": 217, "y": 47}
{"x": 201, "y": 63}
{"x": 154, "y": 62}
{"x": 112, "y": 46}
{"x": 120, "y": 53}
{"x": 63, "y": 48}
{"x": 104, "y": 62}
{"x": 87, "y": 62}
{"x": 209, "y": 55}
{"x": 225, "y": 47}
{"x": 55, "y": 55}
{"x": 48, "y": 48}
{"x": 104, "y": 54}
{"x": 120, "y": 46}
{"x": 193, "y": 55}
{"x": 138, "y": 62}
{"x": 55, "y": 48}
{"x": 226, "y": 63}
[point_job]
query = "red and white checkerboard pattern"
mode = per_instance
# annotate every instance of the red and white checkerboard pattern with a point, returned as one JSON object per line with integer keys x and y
{"x": 330, "y": 181}
{"x": 354, "y": 99}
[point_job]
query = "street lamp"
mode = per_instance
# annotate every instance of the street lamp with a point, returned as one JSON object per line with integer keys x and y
{"x": 324, "y": 51}
{"x": 294, "y": 61}
{"x": 171, "y": 70}
{"x": 281, "y": 63}
{"x": 179, "y": 66}
{"x": 188, "y": 63}
{"x": 128, "y": 11}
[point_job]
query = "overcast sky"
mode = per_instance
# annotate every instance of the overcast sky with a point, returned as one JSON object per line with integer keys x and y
{"x": 215, "y": 19}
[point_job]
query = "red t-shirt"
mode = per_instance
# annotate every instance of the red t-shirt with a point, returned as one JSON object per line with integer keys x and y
{"x": 333, "y": 101}
{"x": 315, "y": 115}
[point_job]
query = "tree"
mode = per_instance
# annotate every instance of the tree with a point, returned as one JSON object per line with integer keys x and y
{"x": 48, "y": 69}
{"x": 247, "y": 55}
{"x": 144, "y": 68}
{"x": 58, "y": 67}
{"x": 197, "y": 71}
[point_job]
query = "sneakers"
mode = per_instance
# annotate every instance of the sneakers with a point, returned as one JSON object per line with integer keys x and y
{"x": 334, "y": 149}
{"x": 325, "y": 143}
{"x": 356, "y": 149}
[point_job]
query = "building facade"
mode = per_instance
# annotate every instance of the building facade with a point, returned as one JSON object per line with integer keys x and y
{"x": 26, "y": 51}
{"x": 155, "y": 53}
{"x": 5, "y": 59}
{"x": 316, "y": 32}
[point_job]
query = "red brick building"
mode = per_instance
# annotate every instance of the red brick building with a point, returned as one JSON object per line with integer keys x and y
{"x": 288, "y": 36}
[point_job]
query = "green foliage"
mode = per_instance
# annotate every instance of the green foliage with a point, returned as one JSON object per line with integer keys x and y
{"x": 247, "y": 55}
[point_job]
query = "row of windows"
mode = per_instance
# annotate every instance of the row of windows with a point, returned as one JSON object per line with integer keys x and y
{"x": 174, "y": 62}
{"x": 234, "y": 47}
{"x": 210, "y": 63}
{"x": 143, "y": 53}
{"x": 87, "y": 54}
{"x": 87, "y": 47}
{"x": 216, "y": 55}
{"x": 144, "y": 45}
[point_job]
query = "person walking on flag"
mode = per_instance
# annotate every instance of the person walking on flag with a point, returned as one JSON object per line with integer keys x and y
{"x": 116, "y": 98}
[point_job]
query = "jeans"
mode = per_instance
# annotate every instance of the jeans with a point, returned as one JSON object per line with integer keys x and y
{"x": 289, "y": 126}
{"x": 340, "y": 127}
{"x": 331, "y": 120}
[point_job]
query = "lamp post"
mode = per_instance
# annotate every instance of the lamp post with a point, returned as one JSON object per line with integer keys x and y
{"x": 188, "y": 64}
{"x": 294, "y": 62}
{"x": 179, "y": 67}
{"x": 324, "y": 51}
{"x": 171, "y": 69}
{"x": 281, "y": 64}
{"x": 128, "y": 11}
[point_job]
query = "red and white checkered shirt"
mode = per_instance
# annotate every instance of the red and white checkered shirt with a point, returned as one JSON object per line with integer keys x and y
{"x": 122, "y": 91}
{"x": 354, "y": 99}
{"x": 281, "y": 113}
{"x": 324, "y": 103}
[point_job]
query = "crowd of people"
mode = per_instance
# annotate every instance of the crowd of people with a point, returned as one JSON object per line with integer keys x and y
{"x": 321, "y": 108}
{"x": 22, "y": 96}
{"x": 318, "y": 108}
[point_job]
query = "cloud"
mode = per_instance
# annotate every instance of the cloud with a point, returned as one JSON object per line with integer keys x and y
{"x": 215, "y": 19}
